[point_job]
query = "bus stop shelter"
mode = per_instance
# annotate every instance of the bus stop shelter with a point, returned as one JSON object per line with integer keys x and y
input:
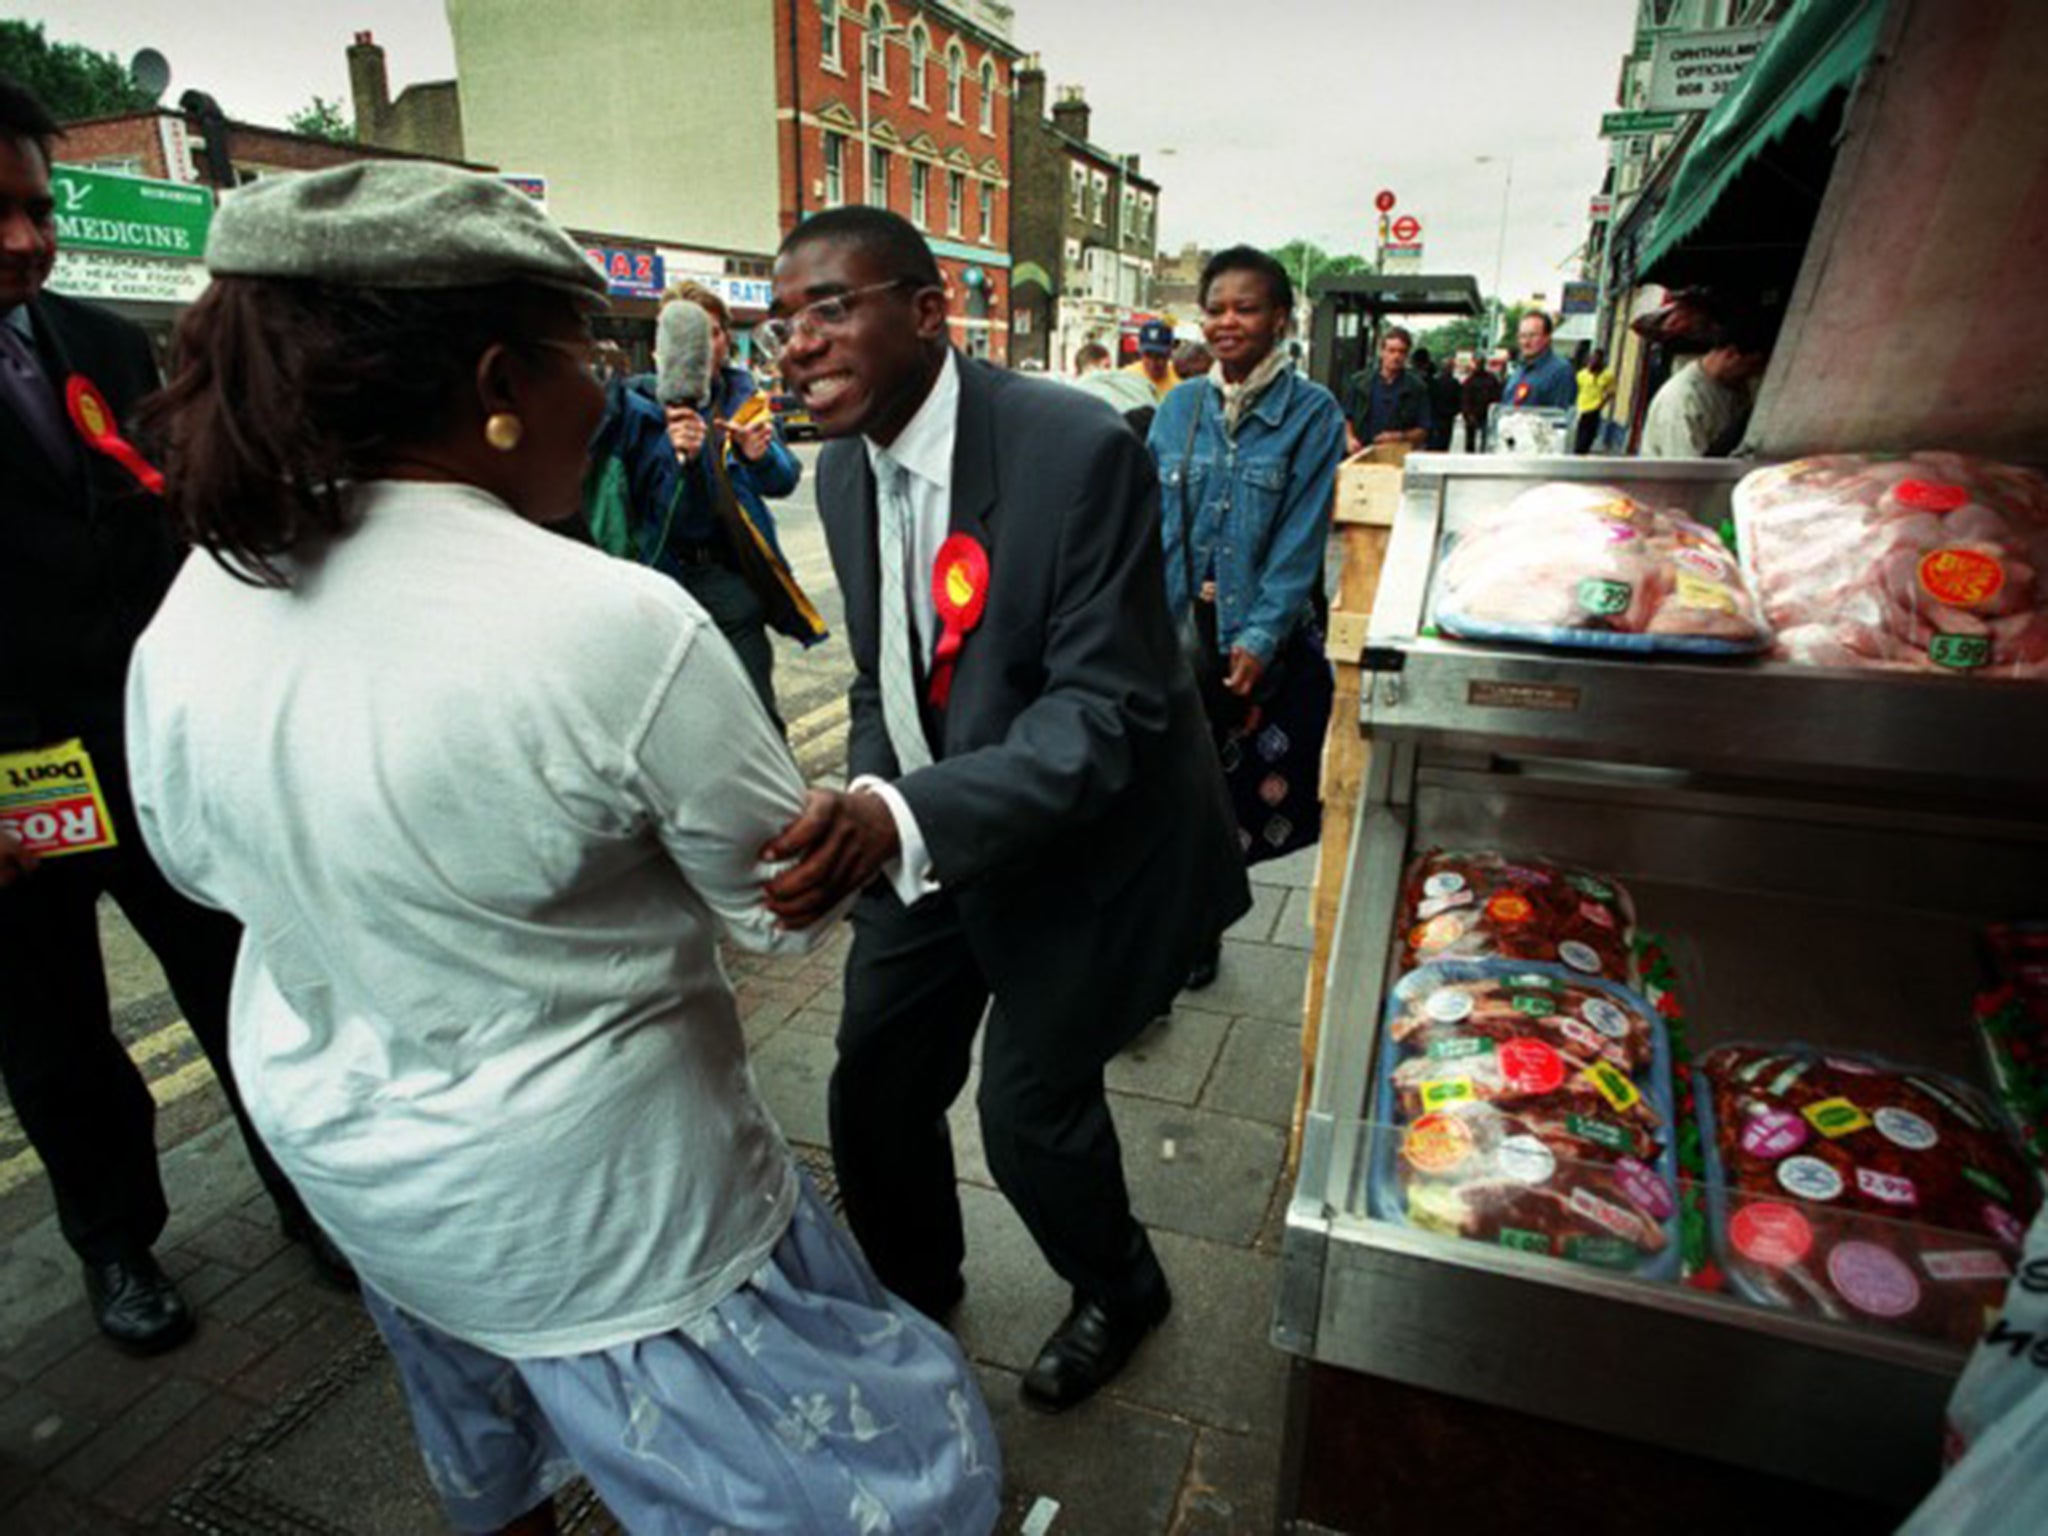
{"x": 1348, "y": 311}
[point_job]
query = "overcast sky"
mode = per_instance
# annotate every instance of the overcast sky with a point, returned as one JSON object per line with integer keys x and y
{"x": 1262, "y": 119}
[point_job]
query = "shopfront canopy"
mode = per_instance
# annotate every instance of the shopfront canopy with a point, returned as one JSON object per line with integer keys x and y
{"x": 1819, "y": 49}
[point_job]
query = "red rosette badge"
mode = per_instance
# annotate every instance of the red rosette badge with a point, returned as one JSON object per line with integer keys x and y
{"x": 94, "y": 419}
{"x": 959, "y": 594}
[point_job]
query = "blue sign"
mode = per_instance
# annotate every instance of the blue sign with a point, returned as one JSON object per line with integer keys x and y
{"x": 628, "y": 273}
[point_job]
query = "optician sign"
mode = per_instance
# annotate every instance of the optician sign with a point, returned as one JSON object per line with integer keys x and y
{"x": 104, "y": 211}
{"x": 1690, "y": 71}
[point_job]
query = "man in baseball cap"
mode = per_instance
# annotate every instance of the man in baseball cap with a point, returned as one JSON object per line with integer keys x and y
{"x": 1155, "y": 357}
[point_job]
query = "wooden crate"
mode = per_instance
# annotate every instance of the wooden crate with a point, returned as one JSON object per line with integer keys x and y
{"x": 1368, "y": 496}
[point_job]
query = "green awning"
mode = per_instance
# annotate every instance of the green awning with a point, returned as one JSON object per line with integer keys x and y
{"x": 1820, "y": 47}
{"x": 1030, "y": 272}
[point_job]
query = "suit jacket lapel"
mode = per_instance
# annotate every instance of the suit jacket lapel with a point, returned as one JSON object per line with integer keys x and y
{"x": 974, "y": 454}
{"x": 848, "y": 499}
{"x": 20, "y": 448}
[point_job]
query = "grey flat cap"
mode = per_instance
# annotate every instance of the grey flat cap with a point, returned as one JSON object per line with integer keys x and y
{"x": 395, "y": 224}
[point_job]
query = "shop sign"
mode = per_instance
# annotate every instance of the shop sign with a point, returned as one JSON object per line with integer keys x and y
{"x": 137, "y": 279}
{"x": 628, "y": 273}
{"x": 1690, "y": 71}
{"x": 1600, "y": 209}
{"x": 1624, "y": 125}
{"x": 1580, "y": 298}
{"x": 530, "y": 184}
{"x": 105, "y": 211}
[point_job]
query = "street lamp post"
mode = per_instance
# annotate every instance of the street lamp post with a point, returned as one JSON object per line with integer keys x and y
{"x": 1500, "y": 249}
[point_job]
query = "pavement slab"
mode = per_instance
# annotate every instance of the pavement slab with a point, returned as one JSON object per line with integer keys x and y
{"x": 1196, "y": 1171}
{"x": 1262, "y": 980}
{"x": 1172, "y": 1059}
{"x": 1258, "y": 1072}
{"x": 1129, "y": 1481}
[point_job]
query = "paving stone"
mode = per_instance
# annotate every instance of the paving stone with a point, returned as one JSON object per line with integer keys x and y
{"x": 1232, "y": 1486}
{"x": 239, "y": 1244}
{"x": 292, "y": 1361}
{"x": 98, "y": 1380}
{"x": 1171, "y": 1059}
{"x": 1211, "y": 1360}
{"x": 1013, "y": 1299}
{"x": 298, "y": 1307}
{"x": 255, "y": 1292}
{"x": 48, "y": 1510}
{"x": 139, "y": 1488}
{"x": 1297, "y": 869}
{"x": 760, "y": 1021}
{"x": 199, "y": 1286}
{"x": 26, "y": 1354}
{"x": 1295, "y": 928}
{"x": 219, "y": 1352}
{"x": 1258, "y": 1073}
{"x": 1218, "y": 1180}
{"x": 816, "y": 1021}
{"x": 1124, "y": 1481}
{"x": 1263, "y": 980}
{"x": 37, "y": 1431}
{"x": 793, "y": 1071}
{"x": 1257, "y": 924}
{"x": 167, "y": 1404}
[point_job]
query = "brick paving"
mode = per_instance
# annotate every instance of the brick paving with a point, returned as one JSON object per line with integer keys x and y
{"x": 281, "y": 1416}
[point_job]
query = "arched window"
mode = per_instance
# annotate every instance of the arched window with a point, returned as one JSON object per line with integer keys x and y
{"x": 828, "y": 38}
{"x": 988, "y": 96}
{"x": 920, "y": 49}
{"x": 878, "y": 47}
{"x": 956, "y": 69}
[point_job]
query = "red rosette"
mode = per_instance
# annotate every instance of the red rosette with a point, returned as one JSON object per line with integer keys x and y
{"x": 959, "y": 595}
{"x": 94, "y": 419}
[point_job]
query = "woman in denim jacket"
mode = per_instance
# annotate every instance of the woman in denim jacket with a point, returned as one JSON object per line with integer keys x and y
{"x": 1247, "y": 466}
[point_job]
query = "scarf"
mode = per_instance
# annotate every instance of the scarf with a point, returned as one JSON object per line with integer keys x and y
{"x": 1239, "y": 398}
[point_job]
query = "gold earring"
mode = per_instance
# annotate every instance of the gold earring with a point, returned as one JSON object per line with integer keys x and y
{"x": 503, "y": 431}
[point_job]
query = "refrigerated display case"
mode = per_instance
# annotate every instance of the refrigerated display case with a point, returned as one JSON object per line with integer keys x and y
{"x": 1818, "y": 851}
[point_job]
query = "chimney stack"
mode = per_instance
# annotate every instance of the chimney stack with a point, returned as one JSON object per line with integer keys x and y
{"x": 1070, "y": 113}
{"x": 1029, "y": 86}
{"x": 369, "y": 85}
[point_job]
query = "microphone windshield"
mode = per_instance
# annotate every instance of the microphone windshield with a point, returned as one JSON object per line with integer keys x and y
{"x": 682, "y": 353}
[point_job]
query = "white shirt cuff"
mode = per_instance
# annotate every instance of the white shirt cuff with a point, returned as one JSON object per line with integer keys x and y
{"x": 910, "y": 872}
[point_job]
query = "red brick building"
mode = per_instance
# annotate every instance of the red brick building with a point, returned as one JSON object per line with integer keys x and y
{"x": 905, "y": 104}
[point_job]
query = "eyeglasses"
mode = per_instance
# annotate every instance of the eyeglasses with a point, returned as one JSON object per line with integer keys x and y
{"x": 823, "y": 317}
{"x": 584, "y": 352}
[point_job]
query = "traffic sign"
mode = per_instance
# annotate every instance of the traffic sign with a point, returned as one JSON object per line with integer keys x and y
{"x": 1384, "y": 202}
{"x": 1407, "y": 229}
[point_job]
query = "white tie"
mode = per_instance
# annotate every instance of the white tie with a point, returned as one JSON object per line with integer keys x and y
{"x": 899, "y": 679}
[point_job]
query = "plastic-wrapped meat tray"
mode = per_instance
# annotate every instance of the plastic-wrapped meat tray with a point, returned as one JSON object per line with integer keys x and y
{"x": 1847, "y": 1186}
{"x": 1476, "y": 906}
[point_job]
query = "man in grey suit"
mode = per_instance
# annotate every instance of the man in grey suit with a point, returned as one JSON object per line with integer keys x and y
{"x": 1035, "y": 814}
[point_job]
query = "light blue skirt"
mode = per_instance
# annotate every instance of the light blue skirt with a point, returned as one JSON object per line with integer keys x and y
{"x": 809, "y": 1400}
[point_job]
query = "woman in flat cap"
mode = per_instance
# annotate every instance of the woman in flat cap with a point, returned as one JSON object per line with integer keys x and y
{"x": 484, "y": 799}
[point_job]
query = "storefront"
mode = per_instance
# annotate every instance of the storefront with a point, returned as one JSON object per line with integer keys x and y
{"x": 135, "y": 244}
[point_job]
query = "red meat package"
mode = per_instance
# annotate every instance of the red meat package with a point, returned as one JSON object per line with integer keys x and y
{"x": 1591, "y": 567}
{"x": 1473, "y": 906}
{"x": 1860, "y": 1190}
{"x": 1929, "y": 563}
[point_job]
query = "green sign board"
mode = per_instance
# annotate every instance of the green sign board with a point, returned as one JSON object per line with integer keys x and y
{"x": 1620, "y": 125}
{"x": 103, "y": 211}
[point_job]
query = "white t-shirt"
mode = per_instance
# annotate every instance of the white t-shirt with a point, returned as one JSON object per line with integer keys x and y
{"x": 1689, "y": 413}
{"x": 481, "y": 796}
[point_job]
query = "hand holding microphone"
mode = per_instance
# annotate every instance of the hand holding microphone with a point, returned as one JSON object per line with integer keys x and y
{"x": 682, "y": 373}
{"x": 686, "y": 430}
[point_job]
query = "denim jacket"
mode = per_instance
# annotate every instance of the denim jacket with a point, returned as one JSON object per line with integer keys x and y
{"x": 1260, "y": 503}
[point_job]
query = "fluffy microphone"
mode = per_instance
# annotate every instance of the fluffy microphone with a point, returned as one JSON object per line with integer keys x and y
{"x": 682, "y": 354}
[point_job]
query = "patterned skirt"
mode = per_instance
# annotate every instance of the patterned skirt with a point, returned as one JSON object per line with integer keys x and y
{"x": 810, "y": 1399}
{"x": 1274, "y": 770}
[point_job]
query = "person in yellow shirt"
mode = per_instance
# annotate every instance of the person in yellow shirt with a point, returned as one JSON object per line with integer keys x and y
{"x": 1596, "y": 388}
{"x": 1155, "y": 358}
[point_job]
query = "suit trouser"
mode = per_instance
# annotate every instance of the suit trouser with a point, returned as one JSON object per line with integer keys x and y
{"x": 914, "y": 999}
{"x": 80, "y": 1099}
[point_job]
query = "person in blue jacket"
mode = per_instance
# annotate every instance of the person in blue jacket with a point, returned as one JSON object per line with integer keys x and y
{"x": 1247, "y": 469}
{"x": 1541, "y": 377}
{"x": 689, "y": 496}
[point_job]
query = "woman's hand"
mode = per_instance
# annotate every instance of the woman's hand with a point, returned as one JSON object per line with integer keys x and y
{"x": 753, "y": 439}
{"x": 15, "y": 860}
{"x": 1245, "y": 672}
{"x": 686, "y": 431}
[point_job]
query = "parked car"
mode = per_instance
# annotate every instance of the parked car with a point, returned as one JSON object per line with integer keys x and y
{"x": 791, "y": 416}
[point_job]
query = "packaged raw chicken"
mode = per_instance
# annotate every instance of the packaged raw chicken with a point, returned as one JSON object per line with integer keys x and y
{"x": 1845, "y": 1185}
{"x": 1475, "y": 906}
{"x": 1588, "y": 566}
{"x": 1929, "y": 563}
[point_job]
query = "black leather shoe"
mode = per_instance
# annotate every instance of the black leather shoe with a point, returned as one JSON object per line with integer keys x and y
{"x": 1203, "y": 972}
{"x": 1086, "y": 1351}
{"x": 329, "y": 1262}
{"x": 136, "y": 1305}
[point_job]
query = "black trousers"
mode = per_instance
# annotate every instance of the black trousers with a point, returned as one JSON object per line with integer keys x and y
{"x": 81, "y": 1101}
{"x": 1588, "y": 433}
{"x": 736, "y": 609}
{"x": 914, "y": 999}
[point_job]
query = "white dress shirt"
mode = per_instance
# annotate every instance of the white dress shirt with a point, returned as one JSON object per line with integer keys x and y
{"x": 925, "y": 449}
{"x": 484, "y": 799}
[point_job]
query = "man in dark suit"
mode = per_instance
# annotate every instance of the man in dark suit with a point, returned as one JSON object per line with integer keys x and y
{"x": 87, "y": 554}
{"x": 1033, "y": 783}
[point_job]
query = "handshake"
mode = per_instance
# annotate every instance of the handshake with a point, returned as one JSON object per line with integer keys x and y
{"x": 840, "y": 842}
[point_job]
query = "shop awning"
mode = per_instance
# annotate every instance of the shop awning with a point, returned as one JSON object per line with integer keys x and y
{"x": 1030, "y": 272}
{"x": 1819, "y": 48}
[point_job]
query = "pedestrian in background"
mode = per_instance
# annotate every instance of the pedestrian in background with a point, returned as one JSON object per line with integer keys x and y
{"x": 1191, "y": 360}
{"x": 1540, "y": 377}
{"x": 1091, "y": 357}
{"x": 1390, "y": 404}
{"x": 1481, "y": 393}
{"x": 487, "y": 802}
{"x": 1446, "y": 400}
{"x": 1247, "y": 469}
{"x": 86, "y": 555}
{"x": 1029, "y": 781}
{"x": 1596, "y": 388}
{"x": 1154, "y": 363}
